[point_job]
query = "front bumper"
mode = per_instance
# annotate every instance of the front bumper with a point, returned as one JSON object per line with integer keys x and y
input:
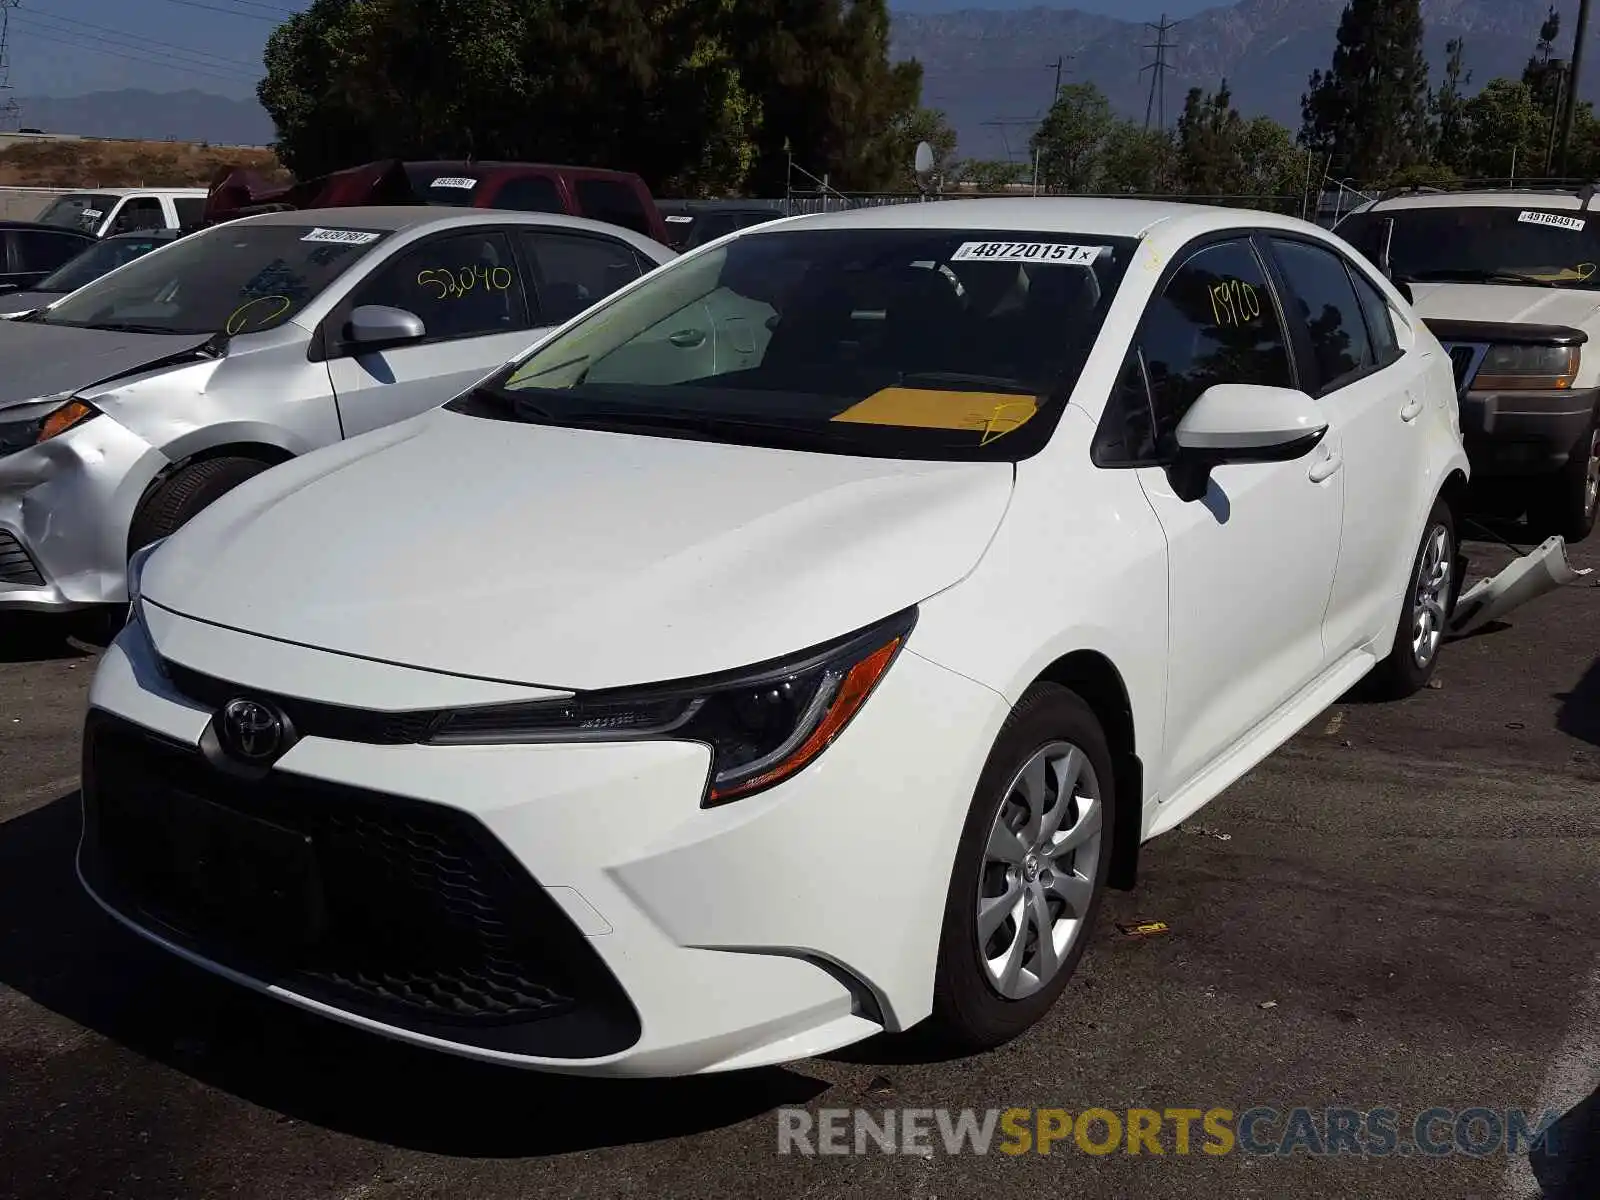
{"x": 1524, "y": 433}
{"x": 685, "y": 940}
{"x": 65, "y": 509}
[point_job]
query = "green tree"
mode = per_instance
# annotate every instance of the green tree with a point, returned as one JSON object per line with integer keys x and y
{"x": 1509, "y": 131}
{"x": 1210, "y": 161}
{"x": 1369, "y": 109}
{"x": 1543, "y": 72}
{"x": 1274, "y": 169}
{"x": 1138, "y": 160}
{"x": 988, "y": 175}
{"x": 923, "y": 125}
{"x": 1452, "y": 136}
{"x": 1070, "y": 141}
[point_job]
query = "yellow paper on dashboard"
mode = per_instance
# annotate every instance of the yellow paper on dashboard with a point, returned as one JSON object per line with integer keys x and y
{"x": 989, "y": 413}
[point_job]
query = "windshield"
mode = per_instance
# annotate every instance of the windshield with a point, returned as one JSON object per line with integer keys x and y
{"x": 1483, "y": 244}
{"x": 911, "y": 343}
{"x": 96, "y": 261}
{"x": 231, "y": 279}
{"x": 435, "y": 186}
{"x": 80, "y": 210}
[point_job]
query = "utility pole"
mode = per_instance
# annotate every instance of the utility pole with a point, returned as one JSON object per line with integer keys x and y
{"x": 1060, "y": 62}
{"x": 8, "y": 105}
{"x": 1158, "y": 69}
{"x": 1555, "y": 114}
{"x": 1573, "y": 80}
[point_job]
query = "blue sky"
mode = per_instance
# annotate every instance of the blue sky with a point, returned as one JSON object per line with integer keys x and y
{"x": 69, "y": 47}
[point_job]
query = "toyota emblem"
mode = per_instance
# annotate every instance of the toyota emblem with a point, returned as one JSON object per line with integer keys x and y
{"x": 250, "y": 731}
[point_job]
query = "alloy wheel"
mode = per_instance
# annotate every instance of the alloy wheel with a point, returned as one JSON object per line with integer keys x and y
{"x": 1591, "y": 481}
{"x": 1428, "y": 613}
{"x": 1039, "y": 869}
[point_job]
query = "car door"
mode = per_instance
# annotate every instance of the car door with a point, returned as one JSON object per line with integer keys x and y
{"x": 468, "y": 290}
{"x": 1251, "y": 564}
{"x": 1372, "y": 396}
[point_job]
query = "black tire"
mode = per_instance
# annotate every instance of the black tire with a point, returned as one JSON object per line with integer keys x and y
{"x": 1400, "y": 674}
{"x": 1566, "y": 503}
{"x": 969, "y": 1013}
{"x": 184, "y": 493}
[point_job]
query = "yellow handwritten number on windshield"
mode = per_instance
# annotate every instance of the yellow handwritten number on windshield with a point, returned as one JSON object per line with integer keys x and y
{"x": 257, "y": 312}
{"x": 453, "y": 284}
{"x": 1234, "y": 302}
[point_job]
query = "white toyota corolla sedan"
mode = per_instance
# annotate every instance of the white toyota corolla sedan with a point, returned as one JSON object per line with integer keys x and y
{"x": 791, "y": 648}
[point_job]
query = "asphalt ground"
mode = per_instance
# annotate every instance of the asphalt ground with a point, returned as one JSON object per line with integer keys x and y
{"x": 1398, "y": 910}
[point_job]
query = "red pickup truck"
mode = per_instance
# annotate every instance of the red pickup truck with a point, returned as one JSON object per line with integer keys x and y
{"x": 617, "y": 197}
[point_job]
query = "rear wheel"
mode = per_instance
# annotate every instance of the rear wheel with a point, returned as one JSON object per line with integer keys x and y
{"x": 1425, "y": 617}
{"x": 1029, "y": 872}
{"x": 1567, "y": 503}
{"x": 184, "y": 493}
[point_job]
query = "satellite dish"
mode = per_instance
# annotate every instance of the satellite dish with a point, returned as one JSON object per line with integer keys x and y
{"x": 924, "y": 160}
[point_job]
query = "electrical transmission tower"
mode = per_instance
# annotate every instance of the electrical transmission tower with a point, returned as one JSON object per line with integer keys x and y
{"x": 1061, "y": 61}
{"x": 1158, "y": 69}
{"x": 8, "y": 103}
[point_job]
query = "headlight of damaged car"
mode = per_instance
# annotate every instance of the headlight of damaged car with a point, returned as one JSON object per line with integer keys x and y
{"x": 1528, "y": 368}
{"x": 30, "y": 424}
{"x": 763, "y": 724}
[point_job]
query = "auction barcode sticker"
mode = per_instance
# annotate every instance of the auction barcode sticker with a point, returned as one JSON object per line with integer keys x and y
{"x": 348, "y": 237}
{"x": 679, "y": 219}
{"x": 455, "y": 181}
{"x": 1575, "y": 224}
{"x": 1028, "y": 252}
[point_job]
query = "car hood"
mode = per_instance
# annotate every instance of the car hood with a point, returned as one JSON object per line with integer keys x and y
{"x": 45, "y": 360}
{"x": 1508, "y": 304}
{"x": 21, "y": 302}
{"x": 574, "y": 558}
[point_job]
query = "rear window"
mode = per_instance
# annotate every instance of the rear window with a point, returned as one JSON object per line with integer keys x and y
{"x": 78, "y": 210}
{"x": 613, "y": 202}
{"x": 451, "y": 188}
{"x": 38, "y": 250}
{"x": 191, "y": 210}
{"x": 231, "y": 279}
{"x": 952, "y": 344}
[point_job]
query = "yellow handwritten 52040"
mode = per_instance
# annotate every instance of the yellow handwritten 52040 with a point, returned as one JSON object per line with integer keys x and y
{"x": 453, "y": 284}
{"x": 1233, "y": 302}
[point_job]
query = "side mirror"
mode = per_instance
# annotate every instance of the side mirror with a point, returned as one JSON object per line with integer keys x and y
{"x": 1242, "y": 422}
{"x": 374, "y": 326}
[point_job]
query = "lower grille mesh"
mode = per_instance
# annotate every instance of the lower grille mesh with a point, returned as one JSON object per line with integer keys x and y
{"x": 16, "y": 566}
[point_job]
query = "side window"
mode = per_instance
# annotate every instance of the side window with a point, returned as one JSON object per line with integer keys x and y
{"x": 142, "y": 212}
{"x": 573, "y": 272}
{"x": 191, "y": 210}
{"x": 1380, "y": 325}
{"x": 38, "y": 251}
{"x": 1126, "y": 436}
{"x": 1215, "y": 322}
{"x": 530, "y": 193}
{"x": 1324, "y": 300}
{"x": 612, "y": 202}
{"x": 465, "y": 285}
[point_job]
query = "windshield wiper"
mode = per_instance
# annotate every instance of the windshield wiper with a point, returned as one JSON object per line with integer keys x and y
{"x": 508, "y": 402}
{"x": 134, "y": 327}
{"x": 1471, "y": 276}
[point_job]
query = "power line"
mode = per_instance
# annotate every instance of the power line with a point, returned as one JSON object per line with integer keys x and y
{"x": 8, "y": 107}
{"x": 139, "y": 58}
{"x": 1158, "y": 69}
{"x": 159, "y": 44}
{"x": 177, "y": 56}
{"x": 239, "y": 12}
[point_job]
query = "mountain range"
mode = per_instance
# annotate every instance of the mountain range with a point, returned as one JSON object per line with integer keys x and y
{"x": 992, "y": 71}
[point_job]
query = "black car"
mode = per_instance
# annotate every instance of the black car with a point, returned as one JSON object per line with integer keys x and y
{"x": 692, "y": 223}
{"x": 100, "y": 256}
{"x": 33, "y": 251}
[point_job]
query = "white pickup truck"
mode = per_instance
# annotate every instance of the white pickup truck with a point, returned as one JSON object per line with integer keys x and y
{"x": 107, "y": 211}
{"x": 1509, "y": 281}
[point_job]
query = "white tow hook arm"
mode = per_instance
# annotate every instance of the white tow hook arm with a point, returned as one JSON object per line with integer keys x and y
{"x": 1541, "y": 570}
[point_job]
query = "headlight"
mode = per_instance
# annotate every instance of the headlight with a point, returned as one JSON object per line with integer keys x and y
{"x": 1527, "y": 368}
{"x": 35, "y": 423}
{"x": 136, "y": 563}
{"x": 763, "y": 724}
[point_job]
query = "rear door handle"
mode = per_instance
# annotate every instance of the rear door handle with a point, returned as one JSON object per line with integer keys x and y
{"x": 1412, "y": 408}
{"x": 1325, "y": 467}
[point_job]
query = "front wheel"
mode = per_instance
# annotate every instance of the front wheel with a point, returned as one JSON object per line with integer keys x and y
{"x": 1029, "y": 872}
{"x": 179, "y": 497}
{"x": 1424, "y": 621}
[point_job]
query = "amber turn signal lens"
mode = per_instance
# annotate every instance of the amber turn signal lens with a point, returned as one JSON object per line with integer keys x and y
{"x": 73, "y": 412}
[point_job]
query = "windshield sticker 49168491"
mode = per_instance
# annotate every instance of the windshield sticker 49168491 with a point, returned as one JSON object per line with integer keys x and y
{"x": 1555, "y": 220}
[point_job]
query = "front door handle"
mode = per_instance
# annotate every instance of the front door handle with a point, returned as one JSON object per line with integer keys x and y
{"x": 688, "y": 339}
{"x": 1412, "y": 408}
{"x": 1325, "y": 467}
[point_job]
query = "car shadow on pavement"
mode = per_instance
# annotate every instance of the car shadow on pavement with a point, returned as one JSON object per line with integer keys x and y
{"x": 1579, "y": 715}
{"x": 25, "y": 637}
{"x": 1566, "y": 1160}
{"x": 59, "y": 949}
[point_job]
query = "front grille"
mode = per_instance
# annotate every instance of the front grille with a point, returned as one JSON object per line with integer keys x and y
{"x": 312, "y": 718}
{"x": 403, "y": 911}
{"x": 15, "y": 564}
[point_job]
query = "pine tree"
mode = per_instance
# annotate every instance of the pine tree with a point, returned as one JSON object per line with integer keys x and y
{"x": 1543, "y": 73}
{"x": 1452, "y": 135}
{"x": 1369, "y": 109}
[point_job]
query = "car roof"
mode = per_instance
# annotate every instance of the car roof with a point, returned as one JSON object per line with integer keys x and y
{"x": 1499, "y": 198}
{"x": 134, "y": 191}
{"x": 46, "y": 228}
{"x": 1078, "y": 215}
{"x": 486, "y": 166}
{"x": 404, "y": 218}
